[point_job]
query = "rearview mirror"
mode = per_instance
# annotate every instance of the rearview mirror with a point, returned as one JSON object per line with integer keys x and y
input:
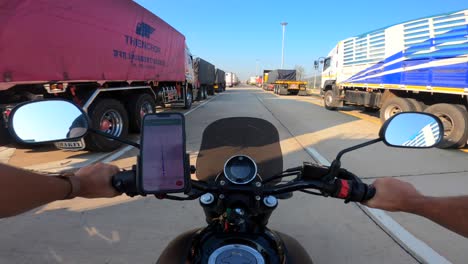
{"x": 412, "y": 130}
{"x": 48, "y": 121}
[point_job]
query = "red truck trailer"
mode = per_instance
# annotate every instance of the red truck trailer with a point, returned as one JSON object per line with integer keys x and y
{"x": 114, "y": 58}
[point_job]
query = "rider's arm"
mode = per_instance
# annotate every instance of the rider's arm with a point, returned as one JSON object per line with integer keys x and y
{"x": 22, "y": 190}
{"x": 396, "y": 195}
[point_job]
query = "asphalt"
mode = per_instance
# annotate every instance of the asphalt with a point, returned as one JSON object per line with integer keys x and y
{"x": 135, "y": 230}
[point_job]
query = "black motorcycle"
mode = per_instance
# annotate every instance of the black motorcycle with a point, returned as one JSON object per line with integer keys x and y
{"x": 239, "y": 176}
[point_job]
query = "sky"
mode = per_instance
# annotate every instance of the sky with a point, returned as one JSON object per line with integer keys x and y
{"x": 246, "y": 36}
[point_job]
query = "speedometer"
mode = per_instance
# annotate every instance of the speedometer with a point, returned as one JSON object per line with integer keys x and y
{"x": 240, "y": 169}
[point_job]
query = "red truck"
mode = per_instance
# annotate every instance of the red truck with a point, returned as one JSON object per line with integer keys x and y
{"x": 114, "y": 58}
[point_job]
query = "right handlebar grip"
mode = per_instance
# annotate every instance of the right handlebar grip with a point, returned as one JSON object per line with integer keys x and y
{"x": 125, "y": 182}
{"x": 353, "y": 191}
{"x": 370, "y": 193}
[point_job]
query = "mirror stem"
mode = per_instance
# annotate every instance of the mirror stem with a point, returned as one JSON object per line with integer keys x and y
{"x": 336, "y": 164}
{"x": 128, "y": 142}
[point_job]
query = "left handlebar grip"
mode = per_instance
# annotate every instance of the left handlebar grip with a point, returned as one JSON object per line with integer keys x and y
{"x": 125, "y": 182}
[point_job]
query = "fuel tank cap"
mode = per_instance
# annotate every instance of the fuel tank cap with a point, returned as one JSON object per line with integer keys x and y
{"x": 236, "y": 253}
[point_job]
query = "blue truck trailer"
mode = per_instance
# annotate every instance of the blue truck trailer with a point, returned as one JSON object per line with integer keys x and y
{"x": 419, "y": 65}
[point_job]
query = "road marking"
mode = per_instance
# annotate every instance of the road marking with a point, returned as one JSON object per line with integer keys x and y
{"x": 415, "y": 247}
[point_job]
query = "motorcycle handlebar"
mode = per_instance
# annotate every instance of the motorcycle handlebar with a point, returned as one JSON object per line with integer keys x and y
{"x": 347, "y": 188}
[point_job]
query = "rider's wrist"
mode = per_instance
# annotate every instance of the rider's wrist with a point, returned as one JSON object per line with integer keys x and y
{"x": 74, "y": 185}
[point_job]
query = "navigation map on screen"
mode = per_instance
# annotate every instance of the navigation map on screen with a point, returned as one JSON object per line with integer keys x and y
{"x": 163, "y": 153}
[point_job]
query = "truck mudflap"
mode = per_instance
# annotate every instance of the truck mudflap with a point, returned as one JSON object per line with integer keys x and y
{"x": 71, "y": 145}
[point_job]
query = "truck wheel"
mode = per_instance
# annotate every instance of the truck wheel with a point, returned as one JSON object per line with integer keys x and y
{"x": 211, "y": 90}
{"x": 107, "y": 115}
{"x": 138, "y": 106}
{"x": 329, "y": 101}
{"x": 282, "y": 90}
{"x": 455, "y": 121}
{"x": 394, "y": 106}
{"x": 417, "y": 105}
{"x": 188, "y": 98}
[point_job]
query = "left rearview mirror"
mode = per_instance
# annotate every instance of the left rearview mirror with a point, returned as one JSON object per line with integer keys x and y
{"x": 48, "y": 121}
{"x": 412, "y": 130}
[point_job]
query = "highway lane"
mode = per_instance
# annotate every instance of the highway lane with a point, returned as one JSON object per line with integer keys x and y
{"x": 124, "y": 230}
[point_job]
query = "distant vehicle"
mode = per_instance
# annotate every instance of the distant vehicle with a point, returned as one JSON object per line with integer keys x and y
{"x": 265, "y": 84}
{"x": 205, "y": 76}
{"x": 220, "y": 81}
{"x": 229, "y": 79}
{"x": 419, "y": 65}
{"x": 253, "y": 80}
{"x": 117, "y": 66}
{"x": 235, "y": 79}
{"x": 284, "y": 82}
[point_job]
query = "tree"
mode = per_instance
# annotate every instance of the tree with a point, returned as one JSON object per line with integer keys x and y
{"x": 299, "y": 72}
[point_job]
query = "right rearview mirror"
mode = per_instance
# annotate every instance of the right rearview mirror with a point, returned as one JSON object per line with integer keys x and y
{"x": 412, "y": 130}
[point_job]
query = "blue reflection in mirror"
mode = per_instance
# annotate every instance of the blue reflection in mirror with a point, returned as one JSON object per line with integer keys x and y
{"x": 47, "y": 121}
{"x": 413, "y": 130}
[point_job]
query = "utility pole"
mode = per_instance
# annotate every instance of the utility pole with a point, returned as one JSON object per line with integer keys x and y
{"x": 283, "y": 24}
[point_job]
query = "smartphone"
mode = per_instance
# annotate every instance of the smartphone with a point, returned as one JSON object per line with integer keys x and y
{"x": 163, "y": 160}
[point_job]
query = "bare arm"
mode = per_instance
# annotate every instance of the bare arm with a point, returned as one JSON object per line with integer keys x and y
{"x": 22, "y": 190}
{"x": 396, "y": 195}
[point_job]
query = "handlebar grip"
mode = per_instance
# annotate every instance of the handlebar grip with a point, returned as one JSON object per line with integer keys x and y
{"x": 125, "y": 182}
{"x": 371, "y": 191}
{"x": 353, "y": 191}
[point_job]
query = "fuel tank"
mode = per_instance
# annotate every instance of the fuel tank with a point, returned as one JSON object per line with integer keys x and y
{"x": 233, "y": 248}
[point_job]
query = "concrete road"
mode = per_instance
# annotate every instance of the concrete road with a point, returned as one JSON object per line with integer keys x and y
{"x": 135, "y": 230}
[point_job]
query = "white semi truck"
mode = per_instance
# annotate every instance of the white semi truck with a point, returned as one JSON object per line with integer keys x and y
{"x": 419, "y": 65}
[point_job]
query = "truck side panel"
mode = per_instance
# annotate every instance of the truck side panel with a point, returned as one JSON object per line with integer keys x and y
{"x": 430, "y": 54}
{"x": 84, "y": 40}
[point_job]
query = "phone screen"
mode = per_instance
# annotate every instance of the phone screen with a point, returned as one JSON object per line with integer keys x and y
{"x": 163, "y": 153}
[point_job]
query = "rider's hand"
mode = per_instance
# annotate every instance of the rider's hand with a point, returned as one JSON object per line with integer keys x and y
{"x": 95, "y": 181}
{"x": 393, "y": 195}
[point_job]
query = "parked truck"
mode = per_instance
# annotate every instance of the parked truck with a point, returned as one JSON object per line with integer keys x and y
{"x": 284, "y": 82}
{"x": 265, "y": 85}
{"x": 419, "y": 65}
{"x": 113, "y": 58}
{"x": 205, "y": 75}
{"x": 220, "y": 81}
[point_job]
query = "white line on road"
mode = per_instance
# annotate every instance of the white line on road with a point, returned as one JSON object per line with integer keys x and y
{"x": 417, "y": 248}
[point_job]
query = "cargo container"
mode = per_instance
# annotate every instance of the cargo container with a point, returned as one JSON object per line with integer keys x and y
{"x": 205, "y": 75}
{"x": 113, "y": 58}
{"x": 220, "y": 81}
{"x": 419, "y": 65}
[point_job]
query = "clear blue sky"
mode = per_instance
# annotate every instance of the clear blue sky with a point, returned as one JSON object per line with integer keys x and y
{"x": 234, "y": 34}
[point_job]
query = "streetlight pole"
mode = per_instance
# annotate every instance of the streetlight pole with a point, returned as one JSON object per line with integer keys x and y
{"x": 283, "y": 24}
{"x": 256, "y": 69}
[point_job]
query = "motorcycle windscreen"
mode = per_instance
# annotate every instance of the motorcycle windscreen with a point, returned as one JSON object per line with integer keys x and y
{"x": 254, "y": 137}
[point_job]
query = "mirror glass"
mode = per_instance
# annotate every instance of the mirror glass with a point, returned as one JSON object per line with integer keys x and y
{"x": 47, "y": 121}
{"x": 413, "y": 130}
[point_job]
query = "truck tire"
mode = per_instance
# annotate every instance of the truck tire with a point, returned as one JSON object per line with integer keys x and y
{"x": 329, "y": 101}
{"x": 138, "y": 106}
{"x": 417, "y": 105}
{"x": 394, "y": 106}
{"x": 282, "y": 90}
{"x": 188, "y": 100}
{"x": 211, "y": 90}
{"x": 108, "y": 115}
{"x": 455, "y": 121}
